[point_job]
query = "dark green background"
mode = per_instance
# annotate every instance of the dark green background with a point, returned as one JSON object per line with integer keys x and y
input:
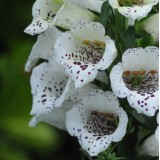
{"x": 17, "y": 140}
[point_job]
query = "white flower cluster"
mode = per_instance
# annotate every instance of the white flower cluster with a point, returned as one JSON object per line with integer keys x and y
{"x": 62, "y": 87}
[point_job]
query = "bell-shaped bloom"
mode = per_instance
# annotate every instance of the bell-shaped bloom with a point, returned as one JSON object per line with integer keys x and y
{"x": 151, "y": 25}
{"x": 69, "y": 13}
{"x": 97, "y": 121}
{"x": 136, "y": 78}
{"x": 56, "y": 118}
{"x": 84, "y": 50}
{"x": 43, "y": 48}
{"x": 150, "y": 146}
{"x": 65, "y": 14}
{"x": 50, "y": 87}
{"x": 133, "y": 9}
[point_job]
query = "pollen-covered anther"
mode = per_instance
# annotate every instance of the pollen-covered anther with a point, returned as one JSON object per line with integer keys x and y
{"x": 153, "y": 72}
{"x": 86, "y": 42}
{"x": 126, "y": 73}
{"x": 102, "y": 123}
{"x": 99, "y": 43}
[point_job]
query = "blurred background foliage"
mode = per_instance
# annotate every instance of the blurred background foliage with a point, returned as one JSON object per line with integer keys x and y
{"x": 17, "y": 140}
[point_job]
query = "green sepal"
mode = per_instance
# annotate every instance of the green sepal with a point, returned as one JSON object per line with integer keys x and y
{"x": 105, "y": 12}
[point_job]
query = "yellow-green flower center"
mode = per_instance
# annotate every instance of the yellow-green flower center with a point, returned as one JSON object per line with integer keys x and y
{"x": 135, "y": 78}
{"x": 130, "y": 3}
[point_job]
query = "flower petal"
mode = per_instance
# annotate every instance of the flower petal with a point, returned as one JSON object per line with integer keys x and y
{"x": 80, "y": 72}
{"x": 135, "y": 12}
{"x": 139, "y": 58}
{"x": 68, "y": 14}
{"x": 118, "y": 86}
{"x": 57, "y": 117}
{"x": 150, "y": 146}
{"x": 43, "y": 48}
{"x": 151, "y": 25}
{"x": 147, "y": 104}
{"x": 48, "y": 83}
{"x": 110, "y": 54}
{"x": 43, "y": 13}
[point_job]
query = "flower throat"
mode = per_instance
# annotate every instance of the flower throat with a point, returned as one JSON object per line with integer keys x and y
{"x": 130, "y": 3}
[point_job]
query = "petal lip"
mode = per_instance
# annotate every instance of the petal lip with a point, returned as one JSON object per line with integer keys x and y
{"x": 77, "y": 117}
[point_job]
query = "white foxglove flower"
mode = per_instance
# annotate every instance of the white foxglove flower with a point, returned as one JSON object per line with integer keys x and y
{"x": 97, "y": 121}
{"x": 133, "y": 9}
{"x": 84, "y": 50}
{"x": 45, "y": 11}
{"x": 69, "y": 13}
{"x": 136, "y": 78}
{"x": 57, "y": 117}
{"x": 150, "y": 146}
{"x": 151, "y": 25}
{"x": 43, "y": 48}
{"x": 157, "y": 130}
{"x": 51, "y": 87}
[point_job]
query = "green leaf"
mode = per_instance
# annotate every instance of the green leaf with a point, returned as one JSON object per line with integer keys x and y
{"x": 105, "y": 12}
{"x": 144, "y": 42}
{"x": 128, "y": 38}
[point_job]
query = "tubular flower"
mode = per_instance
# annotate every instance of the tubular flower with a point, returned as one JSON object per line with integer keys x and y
{"x": 51, "y": 87}
{"x": 133, "y": 9}
{"x": 47, "y": 13}
{"x": 136, "y": 78}
{"x": 97, "y": 121}
{"x": 84, "y": 50}
{"x": 43, "y": 48}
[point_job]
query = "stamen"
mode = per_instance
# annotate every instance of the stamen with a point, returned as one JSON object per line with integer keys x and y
{"x": 153, "y": 72}
{"x": 86, "y": 42}
{"x": 99, "y": 43}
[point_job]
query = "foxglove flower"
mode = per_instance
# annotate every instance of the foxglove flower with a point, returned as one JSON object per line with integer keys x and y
{"x": 57, "y": 117}
{"x": 45, "y": 11}
{"x": 97, "y": 121}
{"x": 150, "y": 146}
{"x": 136, "y": 78}
{"x": 43, "y": 48}
{"x": 133, "y": 9}
{"x": 69, "y": 13}
{"x": 51, "y": 87}
{"x": 84, "y": 50}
